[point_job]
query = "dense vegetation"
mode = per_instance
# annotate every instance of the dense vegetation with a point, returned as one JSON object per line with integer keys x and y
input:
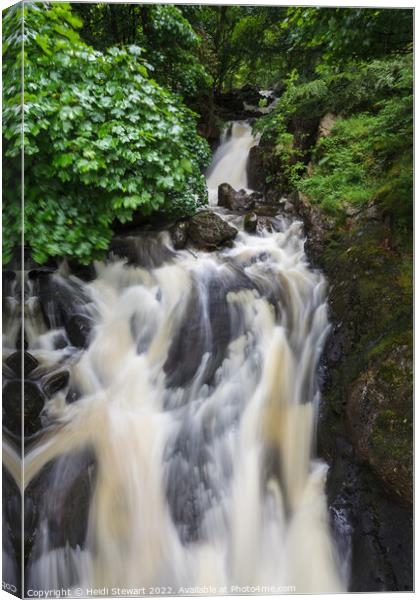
{"x": 368, "y": 157}
{"x": 109, "y": 130}
{"x": 101, "y": 138}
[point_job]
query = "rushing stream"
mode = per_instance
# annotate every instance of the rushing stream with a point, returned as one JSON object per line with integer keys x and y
{"x": 193, "y": 422}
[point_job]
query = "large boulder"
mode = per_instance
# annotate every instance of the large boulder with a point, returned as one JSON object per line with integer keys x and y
{"x": 255, "y": 169}
{"x": 380, "y": 426}
{"x": 208, "y": 231}
{"x": 238, "y": 201}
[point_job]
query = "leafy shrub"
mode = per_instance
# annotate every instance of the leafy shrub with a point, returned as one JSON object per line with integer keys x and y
{"x": 367, "y": 157}
{"x": 369, "y": 154}
{"x": 342, "y": 172}
{"x": 101, "y": 139}
{"x": 172, "y": 46}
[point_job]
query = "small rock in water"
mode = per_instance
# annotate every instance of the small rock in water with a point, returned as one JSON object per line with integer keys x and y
{"x": 250, "y": 222}
{"x": 56, "y": 382}
{"x": 179, "y": 234}
{"x": 270, "y": 224}
{"x": 78, "y": 329}
{"x": 83, "y": 272}
{"x": 208, "y": 231}
{"x": 257, "y": 222}
{"x": 72, "y": 395}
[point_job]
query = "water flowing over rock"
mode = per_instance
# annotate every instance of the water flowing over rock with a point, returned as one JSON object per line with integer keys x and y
{"x": 180, "y": 428}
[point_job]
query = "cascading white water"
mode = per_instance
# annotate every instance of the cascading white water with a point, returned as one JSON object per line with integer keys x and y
{"x": 229, "y": 161}
{"x": 198, "y": 400}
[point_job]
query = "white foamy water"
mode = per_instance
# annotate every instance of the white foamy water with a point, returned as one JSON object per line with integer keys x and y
{"x": 230, "y": 159}
{"x": 198, "y": 400}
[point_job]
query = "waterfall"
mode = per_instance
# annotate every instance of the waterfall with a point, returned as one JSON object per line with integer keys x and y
{"x": 229, "y": 161}
{"x": 186, "y": 462}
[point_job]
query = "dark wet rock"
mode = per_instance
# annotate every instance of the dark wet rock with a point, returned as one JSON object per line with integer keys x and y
{"x": 40, "y": 272}
{"x": 267, "y": 210}
{"x": 193, "y": 339}
{"x": 380, "y": 428}
{"x": 255, "y": 169}
{"x": 78, "y": 330}
{"x": 270, "y": 224}
{"x": 12, "y": 406}
{"x": 83, "y": 272}
{"x": 55, "y": 383}
{"x": 257, "y": 197}
{"x": 209, "y": 128}
{"x": 367, "y": 398}
{"x": 9, "y": 282}
{"x": 255, "y": 222}
{"x": 186, "y": 482}
{"x": 231, "y": 105}
{"x": 59, "y": 498}
{"x": 14, "y": 361}
{"x": 209, "y": 231}
{"x": 179, "y": 234}
{"x": 8, "y": 275}
{"x": 250, "y": 222}
{"x": 73, "y": 395}
{"x": 33, "y": 403}
{"x": 318, "y": 225}
{"x": 371, "y": 530}
{"x": 238, "y": 201}
{"x": 143, "y": 250}
{"x": 288, "y": 207}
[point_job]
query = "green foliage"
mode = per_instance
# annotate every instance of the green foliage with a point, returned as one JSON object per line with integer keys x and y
{"x": 369, "y": 154}
{"x": 101, "y": 139}
{"x": 172, "y": 48}
{"x": 238, "y": 45}
{"x": 343, "y": 173}
{"x": 12, "y": 117}
{"x": 167, "y": 38}
{"x": 339, "y": 36}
